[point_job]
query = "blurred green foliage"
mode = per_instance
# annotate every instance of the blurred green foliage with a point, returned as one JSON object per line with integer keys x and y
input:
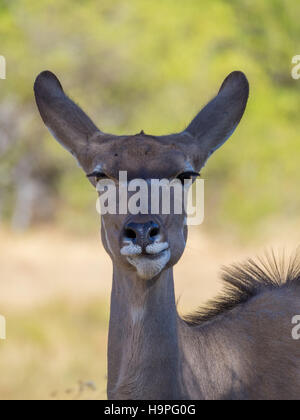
{"x": 152, "y": 65}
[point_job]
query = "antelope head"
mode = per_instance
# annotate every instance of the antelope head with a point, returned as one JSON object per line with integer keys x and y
{"x": 144, "y": 244}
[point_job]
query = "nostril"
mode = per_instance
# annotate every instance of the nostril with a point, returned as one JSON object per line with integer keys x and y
{"x": 154, "y": 232}
{"x": 141, "y": 234}
{"x": 130, "y": 233}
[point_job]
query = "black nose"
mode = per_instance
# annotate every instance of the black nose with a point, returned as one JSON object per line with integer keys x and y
{"x": 141, "y": 234}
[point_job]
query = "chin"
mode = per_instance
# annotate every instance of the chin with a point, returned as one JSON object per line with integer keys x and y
{"x": 149, "y": 266}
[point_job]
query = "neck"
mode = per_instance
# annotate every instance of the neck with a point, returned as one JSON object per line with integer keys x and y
{"x": 143, "y": 354}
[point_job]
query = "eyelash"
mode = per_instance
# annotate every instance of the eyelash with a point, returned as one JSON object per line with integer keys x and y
{"x": 97, "y": 175}
{"x": 187, "y": 175}
{"x": 183, "y": 176}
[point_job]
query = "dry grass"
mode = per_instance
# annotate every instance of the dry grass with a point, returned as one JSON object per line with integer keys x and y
{"x": 55, "y": 294}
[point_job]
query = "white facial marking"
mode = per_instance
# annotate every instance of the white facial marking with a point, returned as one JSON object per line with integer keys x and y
{"x": 148, "y": 268}
{"x": 189, "y": 167}
{"x": 131, "y": 249}
{"x": 98, "y": 168}
{"x": 157, "y": 247}
{"x": 137, "y": 314}
{"x": 106, "y": 237}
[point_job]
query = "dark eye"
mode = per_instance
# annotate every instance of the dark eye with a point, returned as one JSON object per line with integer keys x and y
{"x": 98, "y": 175}
{"x": 187, "y": 175}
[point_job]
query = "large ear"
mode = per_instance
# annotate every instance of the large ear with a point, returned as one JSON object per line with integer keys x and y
{"x": 219, "y": 118}
{"x": 64, "y": 119}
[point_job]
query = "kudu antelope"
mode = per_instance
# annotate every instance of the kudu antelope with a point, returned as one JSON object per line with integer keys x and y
{"x": 241, "y": 346}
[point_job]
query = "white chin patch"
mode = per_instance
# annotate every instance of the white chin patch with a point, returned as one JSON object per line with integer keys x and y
{"x": 149, "y": 267}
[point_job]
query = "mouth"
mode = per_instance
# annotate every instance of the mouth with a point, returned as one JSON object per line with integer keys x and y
{"x": 152, "y": 251}
{"x": 150, "y": 265}
{"x": 144, "y": 256}
{"x": 153, "y": 256}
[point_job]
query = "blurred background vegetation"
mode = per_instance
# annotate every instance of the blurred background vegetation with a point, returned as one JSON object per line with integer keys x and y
{"x": 131, "y": 65}
{"x": 151, "y": 65}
